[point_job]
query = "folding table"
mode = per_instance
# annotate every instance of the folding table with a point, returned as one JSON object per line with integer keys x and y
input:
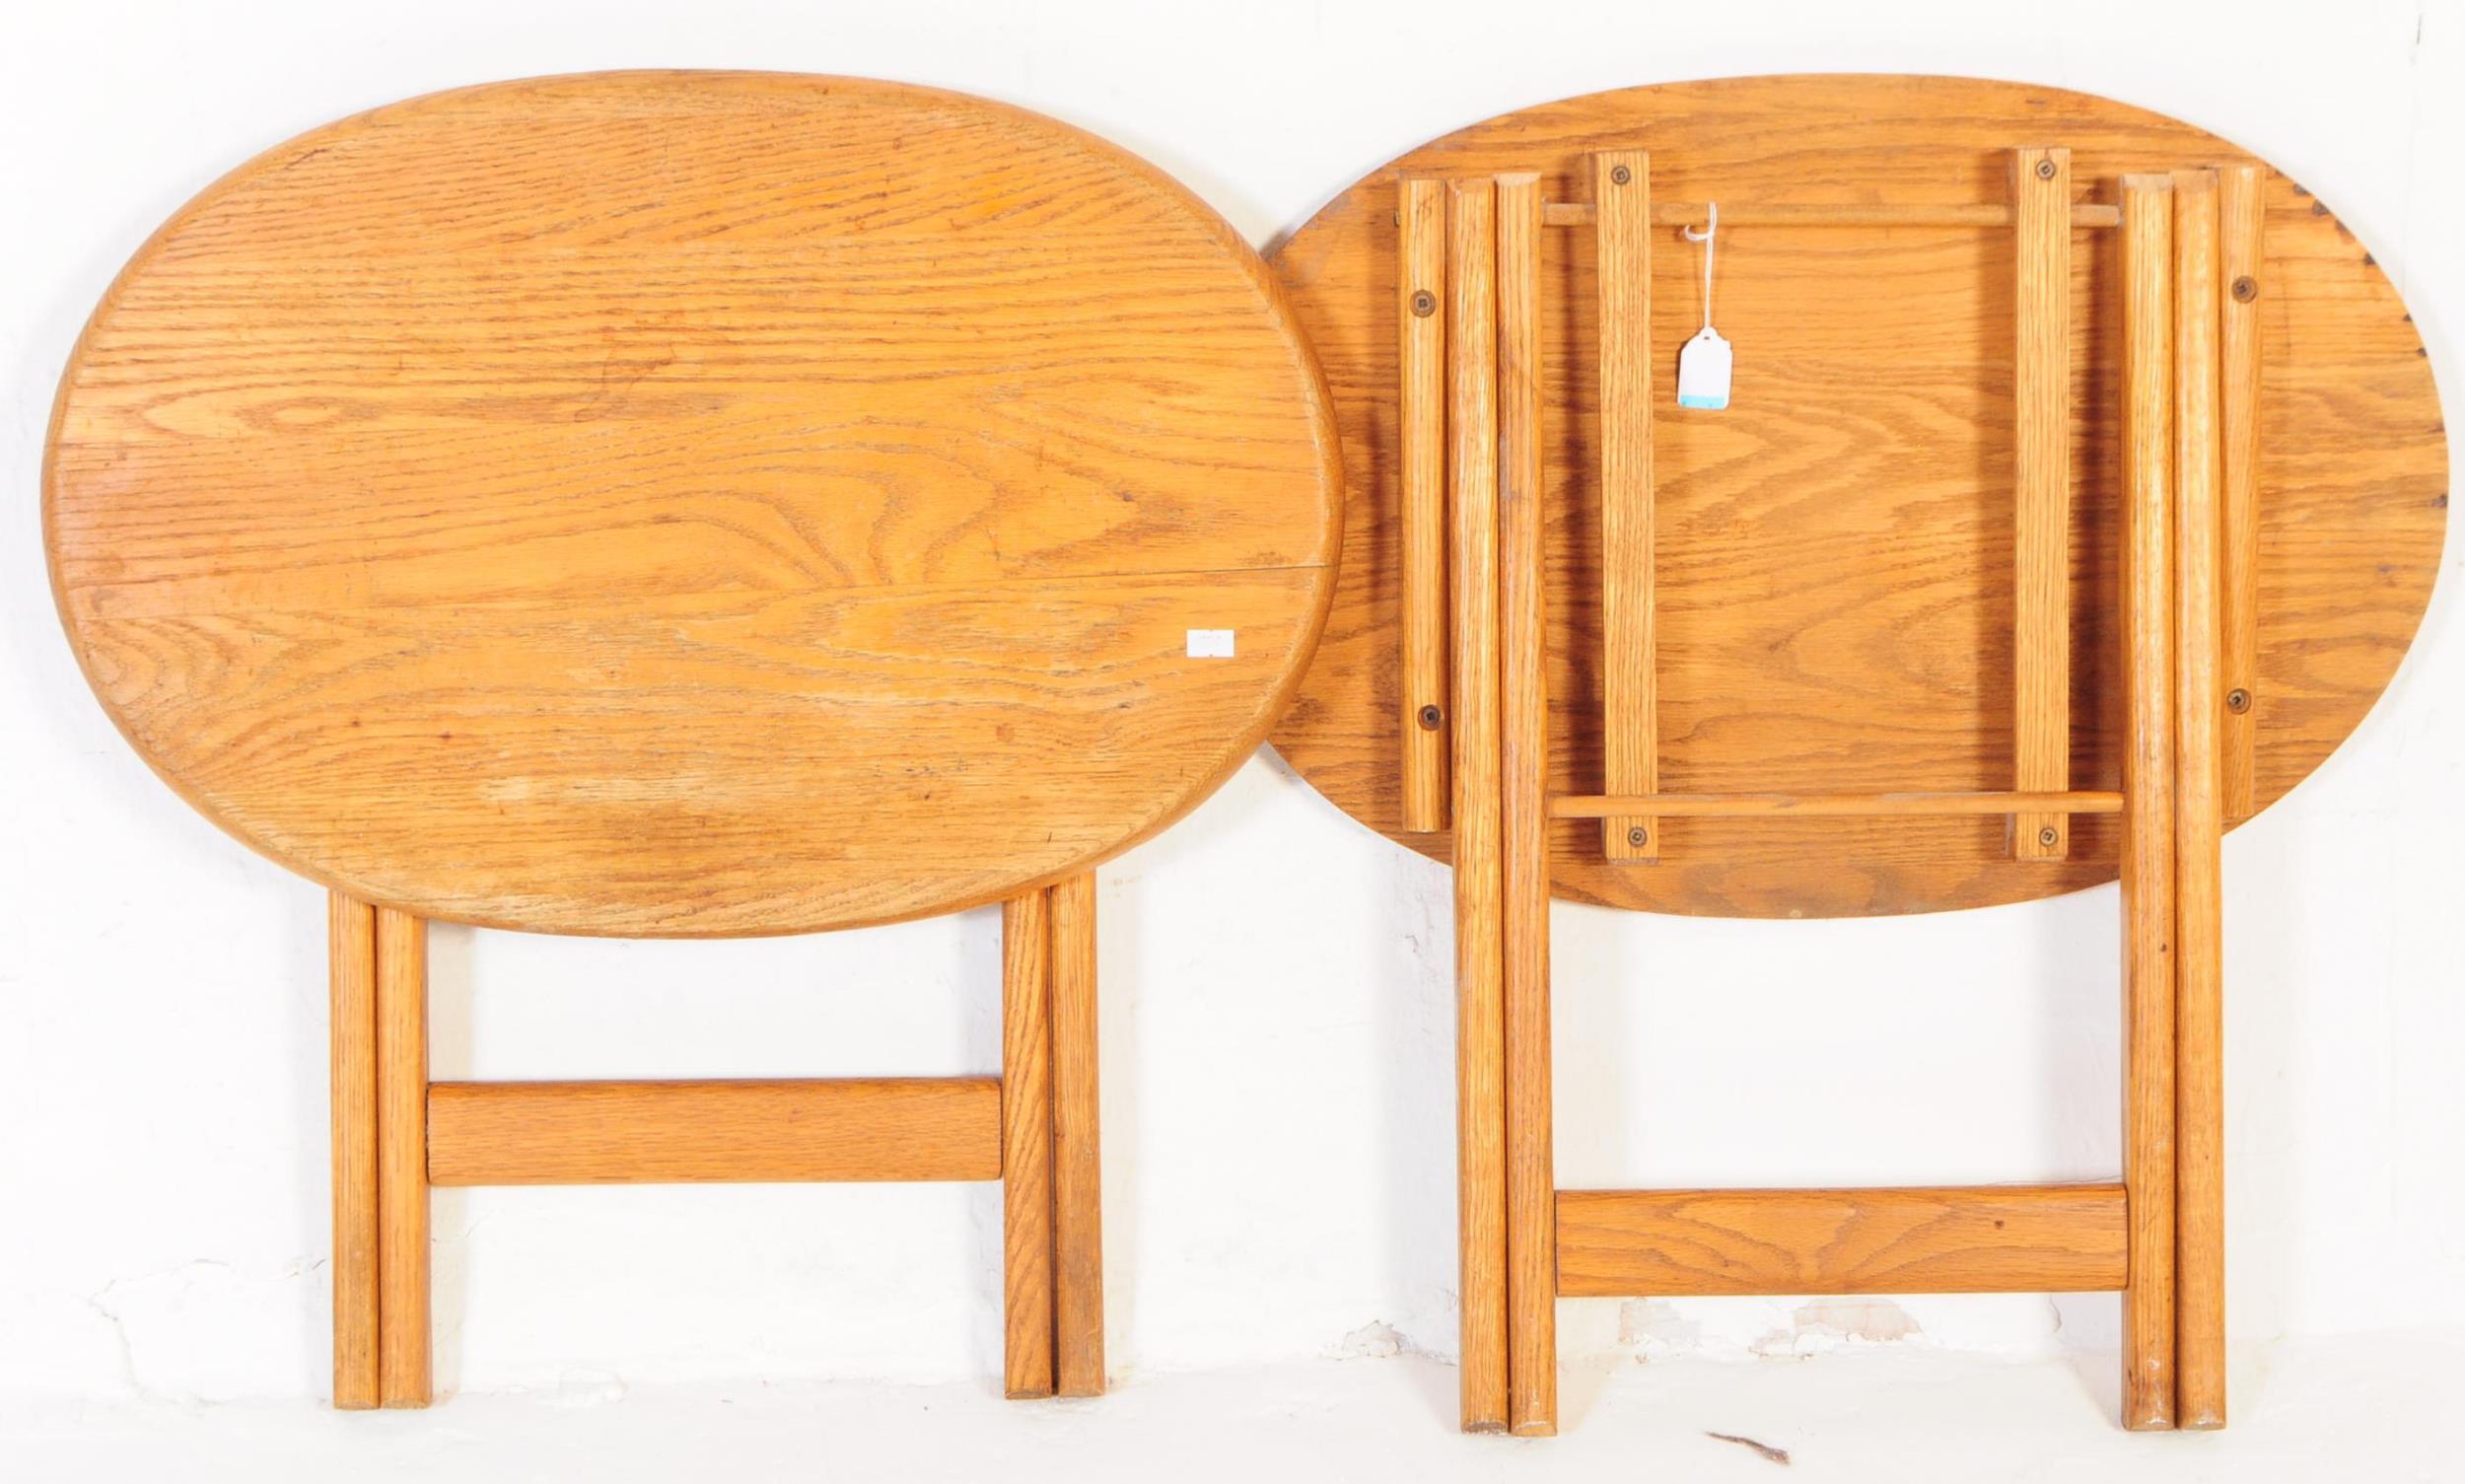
{"x": 689, "y": 505}
{"x": 2080, "y": 485}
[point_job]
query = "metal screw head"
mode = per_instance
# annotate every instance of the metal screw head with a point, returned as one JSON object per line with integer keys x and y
{"x": 2048, "y": 837}
{"x": 1431, "y": 716}
{"x": 1423, "y": 303}
{"x": 2237, "y": 700}
{"x": 2045, "y": 170}
{"x": 2246, "y": 289}
{"x": 1637, "y": 836}
{"x": 1619, "y": 175}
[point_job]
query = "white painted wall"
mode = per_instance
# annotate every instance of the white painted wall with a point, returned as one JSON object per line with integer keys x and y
{"x": 1276, "y": 979}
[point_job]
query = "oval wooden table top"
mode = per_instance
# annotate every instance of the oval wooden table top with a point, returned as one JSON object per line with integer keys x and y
{"x": 683, "y": 504}
{"x": 1835, "y": 560}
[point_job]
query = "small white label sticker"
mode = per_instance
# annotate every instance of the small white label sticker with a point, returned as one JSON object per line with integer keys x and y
{"x": 1211, "y": 644}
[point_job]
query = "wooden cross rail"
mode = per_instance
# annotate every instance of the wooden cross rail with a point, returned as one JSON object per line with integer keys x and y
{"x": 1475, "y": 662}
{"x": 632, "y": 1133}
{"x": 1824, "y": 806}
{"x": 1823, "y": 214}
{"x": 1977, "y": 1239}
{"x": 1033, "y": 1128}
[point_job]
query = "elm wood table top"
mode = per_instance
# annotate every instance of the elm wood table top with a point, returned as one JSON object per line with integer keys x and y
{"x": 1835, "y": 560}
{"x": 682, "y": 503}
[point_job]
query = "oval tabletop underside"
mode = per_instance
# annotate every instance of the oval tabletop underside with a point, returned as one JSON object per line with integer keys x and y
{"x": 1834, "y": 558}
{"x": 693, "y": 504}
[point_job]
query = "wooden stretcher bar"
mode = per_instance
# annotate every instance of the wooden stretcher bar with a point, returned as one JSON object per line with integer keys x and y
{"x": 1480, "y": 1031}
{"x": 2198, "y": 1127}
{"x": 2241, "y": 279}
{"x": 1421, "y": 456}
{"x": 1836, "y": 805}
{"x": 604, "y": 1133}
{"x": 1975, "y": 1240}
{"x": 2041, "y": 495}
{"x": 1820, "y": 214}
{"x": 1523, "y": 821}
{"x": 2147, "y": 862}
{"x": 1629, "y": 662}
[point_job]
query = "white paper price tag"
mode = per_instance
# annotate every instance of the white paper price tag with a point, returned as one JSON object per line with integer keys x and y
{"x": 1703, "y": 372}
{"x": 1703, "y": 363}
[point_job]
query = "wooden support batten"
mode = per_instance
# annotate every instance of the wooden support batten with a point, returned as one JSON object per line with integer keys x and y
{"x": 1630, "y": 737}
{"x": 1421, "y": 449}
{"x": 2041, "y": 390}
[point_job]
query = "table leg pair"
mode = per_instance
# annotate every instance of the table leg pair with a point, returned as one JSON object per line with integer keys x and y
{"x": 1475, "y": 747}
{"x": 1033, "y": 1128}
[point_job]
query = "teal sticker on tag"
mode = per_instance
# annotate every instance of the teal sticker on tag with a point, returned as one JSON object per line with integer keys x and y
{"x": 1703, "y": 368}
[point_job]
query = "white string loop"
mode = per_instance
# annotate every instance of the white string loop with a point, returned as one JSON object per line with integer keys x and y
{"x": 1712, "y": 229}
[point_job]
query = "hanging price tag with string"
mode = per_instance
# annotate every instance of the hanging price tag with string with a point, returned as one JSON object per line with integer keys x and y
{"x": 1703, "y": 363}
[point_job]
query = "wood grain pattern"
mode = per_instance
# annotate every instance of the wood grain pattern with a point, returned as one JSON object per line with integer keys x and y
{"x": 1078, "y": 1185}
{"x": 1834, "y": 553}
{"x": 2041, "y": 493}
{"x": 351, "y": 950}
{"x": 1480, "y": 1026}
{"x": 2240, "y": 269}
{"x": 1027, "y": 1144}
{"x": 1630, "y": 736}
{"x": 2148, "y": 865}
{"x": 678, "y": 504}
{"x": 1420, "y": 280}
{"x": 404, "y": 1357}
{"x": 692, "y": 1132}
{"x": 2199, "y": 705}
{"x": 1985, "y": 1239}
{"x": 1523, "y": 824}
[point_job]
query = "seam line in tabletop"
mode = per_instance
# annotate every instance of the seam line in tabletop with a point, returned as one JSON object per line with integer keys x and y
{"x": 715, "y": 596}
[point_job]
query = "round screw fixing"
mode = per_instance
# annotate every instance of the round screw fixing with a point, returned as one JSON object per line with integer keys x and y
{"x": 1431, "y": 716}
{"x": 1619, "y": 175}
{"x": 2246, "y": 289}
{"x": 1424, "y": 303}
{"x": 1637, "y": 836}
{"x": 2048, "y": 837}
{"x": 2045, "y": 170}
{"x": 2237, "y": 700}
